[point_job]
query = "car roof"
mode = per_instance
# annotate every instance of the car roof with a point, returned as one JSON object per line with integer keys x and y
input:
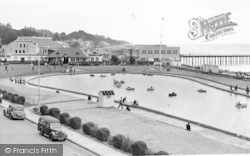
{"x": 50, "y": 119}
{"x": 16, "y": 105}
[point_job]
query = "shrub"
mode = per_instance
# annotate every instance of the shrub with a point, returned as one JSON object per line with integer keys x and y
{"x": 139, "y": 148}
{"x": 4, "y": 92}
{"x": 55, "y": 112}
{"x": 63, "y": 118}
{"x": 44, "y": 110}
{"x": 118, "y": 140}
{"x": 103, "y": 134}
{"x": 75, "y": 122}
{"x": 90, "y": 129}
{"x": 20, "y": 100}
{"x": 162, "y": 153}
{"x": 68, "y": 121}
{"x": 7, "y": 96}
{"x": 14, "y": 98}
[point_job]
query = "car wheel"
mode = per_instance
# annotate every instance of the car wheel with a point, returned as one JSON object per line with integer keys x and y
{"x": 51, "y": 137}
{"x": 41, "y": 131}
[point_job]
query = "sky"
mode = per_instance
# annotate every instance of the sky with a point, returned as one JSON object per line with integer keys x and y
{"x": 135, "y": 21}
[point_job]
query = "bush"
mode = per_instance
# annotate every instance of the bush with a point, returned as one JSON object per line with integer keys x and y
{"x": 14, "y": 98}
{"x": 103, "y": 134}
{"x": 63, "y": 118}
{"x": 118, "y": 140}
{"x": 162, "y": 153}
{"x": 55, "y": 112}
{"x": 139, "y": 148}
{"x": 20, "y": 100}
{"x": 7, "y": 96}
{"x": 44, "y": 110}
{"x": 90, "y": 129}
{"x": 75, "y": 122}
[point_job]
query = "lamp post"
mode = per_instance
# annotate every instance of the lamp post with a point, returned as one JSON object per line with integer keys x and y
{"x": 38, "y": 82}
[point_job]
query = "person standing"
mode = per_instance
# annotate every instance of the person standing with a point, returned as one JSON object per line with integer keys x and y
{"x": 247, "y": 90}
{"x": 120, "y": 103}
{"x": 188, "y": 127}
{"x": 236, "y": 87}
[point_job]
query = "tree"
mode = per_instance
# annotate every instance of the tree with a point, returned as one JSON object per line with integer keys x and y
{"x": 63, "y": 36}
{"x": 56, "y": 37}
{"x": 114, "y": 59}
{"x": 75, "y": 44}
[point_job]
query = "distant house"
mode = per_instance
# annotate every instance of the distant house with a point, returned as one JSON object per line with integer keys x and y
{"x": 28, "y": 48}
{"x": 95, "y": 58}
{"x": 68, "y": 56}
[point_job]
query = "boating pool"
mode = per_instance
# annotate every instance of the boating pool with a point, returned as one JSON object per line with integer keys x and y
{"x": 215, "y": 107}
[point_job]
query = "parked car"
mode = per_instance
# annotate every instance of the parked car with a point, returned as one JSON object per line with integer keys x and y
{"x": 14, "y": 111}
{"x": 51, "y": 127}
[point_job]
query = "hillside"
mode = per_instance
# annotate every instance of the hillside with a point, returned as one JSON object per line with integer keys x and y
{"x": 75, "y": 39}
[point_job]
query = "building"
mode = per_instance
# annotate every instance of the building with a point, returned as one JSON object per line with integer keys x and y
{"x": 151, "y": 53}
{"x": 210, "y": 68}
{"x": 28, "y": 48}
{"x": 67, "y": 56}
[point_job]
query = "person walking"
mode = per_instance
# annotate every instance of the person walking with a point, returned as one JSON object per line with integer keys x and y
{"x": 120, "y": 103}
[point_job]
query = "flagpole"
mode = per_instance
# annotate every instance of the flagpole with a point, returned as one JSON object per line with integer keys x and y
{"x": 161, "y": 43}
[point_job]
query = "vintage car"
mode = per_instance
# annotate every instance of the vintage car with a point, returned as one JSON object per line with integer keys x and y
{"x": 51, "y": 127}
{"x": 14, "y": 111}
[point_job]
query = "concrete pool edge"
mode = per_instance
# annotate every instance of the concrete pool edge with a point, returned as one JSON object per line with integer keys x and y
{"x": 151, "y": 110}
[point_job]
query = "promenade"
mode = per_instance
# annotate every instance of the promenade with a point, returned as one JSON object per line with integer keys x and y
{"x": 159, "y": 131}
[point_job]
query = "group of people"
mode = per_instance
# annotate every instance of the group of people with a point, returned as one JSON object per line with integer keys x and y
{"x": 236, "y": 87}
{"x": 121, "y": 102}
{"x": 18, "y": 80}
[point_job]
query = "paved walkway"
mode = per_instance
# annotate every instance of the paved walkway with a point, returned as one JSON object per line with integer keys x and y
{"x": 77, "y": 138}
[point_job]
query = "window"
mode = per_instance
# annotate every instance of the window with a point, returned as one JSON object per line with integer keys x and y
{"x": 144, "y": 52}
{"x": 174, "y": 51}
{"x": 169, "y": 52}
{"x": 20, "y": 51}
{"x": 16, "y": 51}
{"x": 162, "y": 51}
{"x": 23, "y": 51}
{"x": 149, "y": 51}
{"x": 20, "y": 45}
{"x": 156, "y": 51}
{"x": 92, "y": 58}
{"x": 23, "y": 45}
{"x": 97, "y": 59}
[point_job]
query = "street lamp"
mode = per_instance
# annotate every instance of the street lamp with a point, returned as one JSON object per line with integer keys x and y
{"x": 38, "y": 82}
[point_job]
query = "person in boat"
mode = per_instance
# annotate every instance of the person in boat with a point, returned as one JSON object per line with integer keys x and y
{"x": 128, "y": 109}
{"x": 236, "y": 87}
{"x": 124, "y": 99}
{"x": 188, "y": 127}
{"x": 247, "y": 90}
{"x": 135, "y": 102}
{"x": 89, "y": 97}
{"x": 57, "y": 91}
{"x": 120, "y": 103}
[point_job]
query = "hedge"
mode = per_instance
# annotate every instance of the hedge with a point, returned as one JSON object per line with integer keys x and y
{"x": 103, "y": 134}
{"x": 90, "y": 129}
{"x": 55, "y": 112}
{"x": 63, "y": 118}
{"x": 20, "y": 100}
{"x": 139, "y": 148}
{"x": 7, "y": 96}
{"x": 44, "y": 110}
{"x": 118, "y": 140}
{"x": 14, "y": 98}
{"x": 75, "y": 122}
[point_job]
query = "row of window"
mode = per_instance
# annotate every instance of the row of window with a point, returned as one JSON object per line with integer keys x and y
{"x": 157, "y": 52}
{"x": 20, "y": 51}
{"x": 93, "y": 59}
{"x": 24, "y": 45}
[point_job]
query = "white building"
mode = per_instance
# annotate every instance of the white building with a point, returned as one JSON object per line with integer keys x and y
{"x": 29, "y": 48}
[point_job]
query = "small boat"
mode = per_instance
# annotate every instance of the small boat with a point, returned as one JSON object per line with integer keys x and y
{"x": 103, "y": 76}
{"x": 117, "y": 83}
{"x": 172, "y": 94}
{"x": 122, "y": 82}
{"x": 202, "y": 91}
{"x": 112, "y": 73}
{"x": 92, "y": 75}
{"x": 57, "y": 91}
{"x": 130, "y": 88}
{"x": 150, "y": 89}
{"x": 241, "y": 105}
